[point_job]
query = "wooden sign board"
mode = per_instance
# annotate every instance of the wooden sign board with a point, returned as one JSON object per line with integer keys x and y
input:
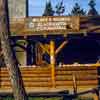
{"x": 42, "y": 25}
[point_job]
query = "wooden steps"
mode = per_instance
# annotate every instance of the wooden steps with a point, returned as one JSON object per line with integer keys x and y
{"x": 86, "y": 76}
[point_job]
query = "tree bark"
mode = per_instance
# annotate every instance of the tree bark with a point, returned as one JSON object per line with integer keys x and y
{"x": 13, "y": 69}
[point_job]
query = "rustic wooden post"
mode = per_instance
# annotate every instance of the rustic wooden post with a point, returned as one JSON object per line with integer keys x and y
{"x": 74, "y": 83}
{"x": 95, "y": 96}
{"x": 52, "y": 61}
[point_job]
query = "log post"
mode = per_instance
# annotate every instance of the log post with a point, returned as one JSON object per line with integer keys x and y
{"x": 52, "y": 61}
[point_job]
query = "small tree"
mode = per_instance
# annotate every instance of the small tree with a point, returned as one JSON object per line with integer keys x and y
{"x": 13, "y": 69}
{"x": 60, "y": 8}
{"x": 77, "y": 10}
{"x": 92, "y": 11}
{"x": 48, "y": 9}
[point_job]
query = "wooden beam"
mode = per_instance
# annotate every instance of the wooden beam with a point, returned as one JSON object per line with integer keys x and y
{"x": 60, "y": 47}
{"x": 96, "y": 65}
{"x": 44, "y": 48}
{"x": 52, "y": 61}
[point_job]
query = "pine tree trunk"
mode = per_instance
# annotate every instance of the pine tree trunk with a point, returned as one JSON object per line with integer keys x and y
{"x": 13, "y": 69}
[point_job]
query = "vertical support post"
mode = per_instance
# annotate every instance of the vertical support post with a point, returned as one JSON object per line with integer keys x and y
{"x": 99, "y": 94}
{"x": 95, "y": 96}
{"x": 74, "y": 83}
{"x": 52, "y": 61}
{"x": 29, "y": 52}
{"x": 39, "y": 52}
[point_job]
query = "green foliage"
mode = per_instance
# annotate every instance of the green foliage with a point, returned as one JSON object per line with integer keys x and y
{"x": 92, "y": 3}
{"x": 41, "y": 98}
{"x": 48, "y": 10}
{"x": 60, "y": 8}
{"x": 13, "y": 33}
{"x": 52, "y": 98}
{"x": 83, "y": 98}
{"x": 7, "y": 98}
{"x": 92, "y": 11}
{"x": 77, "y": 10}
{"x": 31, "y": 98}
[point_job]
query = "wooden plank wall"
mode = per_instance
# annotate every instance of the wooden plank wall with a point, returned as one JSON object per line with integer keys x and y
{"x": 40, "y": 78}
{"x": 90, "y": 24}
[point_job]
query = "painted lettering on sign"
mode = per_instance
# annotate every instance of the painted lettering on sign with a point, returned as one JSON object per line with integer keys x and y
{"x": 45, "y": 24}
{"x": 50, "y": 23}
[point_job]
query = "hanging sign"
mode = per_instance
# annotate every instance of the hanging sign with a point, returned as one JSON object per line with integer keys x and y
{"x": 41, "y": 25}
{"x": 52, "y": 24}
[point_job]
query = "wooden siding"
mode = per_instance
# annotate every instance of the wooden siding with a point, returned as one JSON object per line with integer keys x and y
{"x": 39, "y": 78}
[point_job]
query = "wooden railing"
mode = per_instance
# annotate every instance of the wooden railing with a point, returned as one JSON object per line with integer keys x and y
{"x": 41, "y": 78}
